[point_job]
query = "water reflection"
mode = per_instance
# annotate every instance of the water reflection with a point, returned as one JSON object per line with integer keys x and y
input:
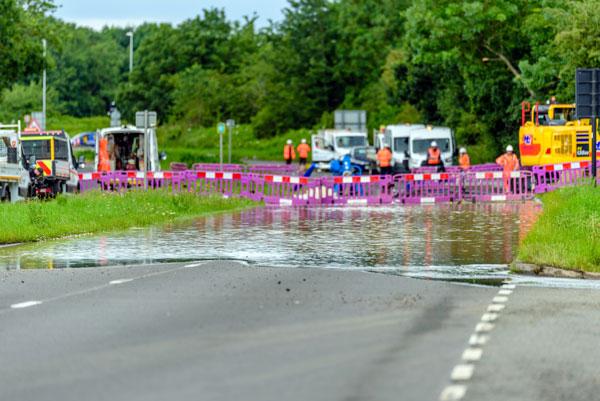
{"x": 439, "y": 240}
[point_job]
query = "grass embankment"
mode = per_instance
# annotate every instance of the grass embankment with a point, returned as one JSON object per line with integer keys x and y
{"x": 96, "y": 212}
{"x": 567, "y": 234}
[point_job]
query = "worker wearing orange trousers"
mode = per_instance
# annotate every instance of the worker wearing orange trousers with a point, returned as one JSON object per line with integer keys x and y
{"x": 510, "y": 162}
{"x": 384, "y": 156}
{"x": 303, "y": 150}
{"x": 289, "y": 154}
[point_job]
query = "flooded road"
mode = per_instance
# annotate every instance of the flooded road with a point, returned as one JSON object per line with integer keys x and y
{"x": 436, "y": 241}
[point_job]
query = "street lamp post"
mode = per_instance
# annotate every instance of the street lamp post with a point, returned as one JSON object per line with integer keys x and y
{"x": 130, "y": 34}
{"x": 44, "y": 88}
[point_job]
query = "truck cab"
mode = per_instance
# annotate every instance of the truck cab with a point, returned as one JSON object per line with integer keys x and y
{"x": 332, "y": 144}
{"x": 14, "y": 176}
{"x": 397, "y": 138}
{"x": 54, "y": 156}
{"x": 126, "y": 148}
{"x": 420, "y": 141}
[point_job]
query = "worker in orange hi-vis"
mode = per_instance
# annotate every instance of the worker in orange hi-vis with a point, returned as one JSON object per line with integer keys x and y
{"x": 463, "y": 160}
{"x": 103, "y": 160}
{"x": 385, "y": 157}
{"x": 510, "y": 162}
{"x": 289, "y": 153}
{"x": 303, "y": 150}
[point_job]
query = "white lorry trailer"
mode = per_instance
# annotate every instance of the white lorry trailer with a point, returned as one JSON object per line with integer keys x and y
{"x": 14, "y": 175}
{"x": 126, "y": 148}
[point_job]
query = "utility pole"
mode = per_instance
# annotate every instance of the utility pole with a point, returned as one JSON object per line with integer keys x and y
{"x": 44, "y": 88}
{"x": 130, "y": 34}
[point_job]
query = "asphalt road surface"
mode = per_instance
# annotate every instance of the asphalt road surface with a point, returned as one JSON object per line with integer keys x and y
{"x": 226, "y": 331}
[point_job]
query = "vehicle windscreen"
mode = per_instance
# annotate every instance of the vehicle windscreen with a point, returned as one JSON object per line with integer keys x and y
{"x": 421, "y": 145}
{"x": 401, "y": 144}
{"x": 38, "y": 148}
{"x": 350, "y": 141}
{"x": 360, "y": 153}
{"x": 3, "y": 149}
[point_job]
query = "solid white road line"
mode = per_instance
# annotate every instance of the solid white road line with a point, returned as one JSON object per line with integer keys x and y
{"x": 453, "y": 393}
{"x": 472, "y": 354}
{"x": 462, "y": 372}
{"x": 25, "y": 304}
{"x": 194, "y": 264}
{"x": 499, "y": 299}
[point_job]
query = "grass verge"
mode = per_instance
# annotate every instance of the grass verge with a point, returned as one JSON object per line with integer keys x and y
{"x": 567, "y": 233}
{"x": 95, "y": 212}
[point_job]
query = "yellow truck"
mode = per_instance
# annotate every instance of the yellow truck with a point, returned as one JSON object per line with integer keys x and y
{"x": 52, "y": 153}
{"x": 551, "y": 134}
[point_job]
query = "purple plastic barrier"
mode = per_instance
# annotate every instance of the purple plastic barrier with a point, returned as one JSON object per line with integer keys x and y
{"x": 89, "y": 181}
{"x": 206, "y": 183}
{"x": 553, "y": 176}
{"x": 289, "y": 191}
{"x": 485, "y": 167}
{"x": 429, "y": 188}
{"x": 433, "y": 169}
{"x": 178, "y": 166}
{"x": 497, "y": 186}
{"x": 217, "y": 167}
{"x": 357, "y": 190}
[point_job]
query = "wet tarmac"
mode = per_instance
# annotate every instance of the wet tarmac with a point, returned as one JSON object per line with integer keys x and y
{"x": 464, "y": 241}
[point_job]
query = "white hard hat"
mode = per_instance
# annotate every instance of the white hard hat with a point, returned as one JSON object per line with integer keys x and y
{"x": 434, "y": 143}
{"x": 303, "y": 140}
{"x": 509, "y": 148}
{"x": 289, "y": 141}
{"x": 463, "y": 150}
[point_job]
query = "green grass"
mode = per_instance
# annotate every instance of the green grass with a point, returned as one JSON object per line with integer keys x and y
{"x": 76, "y": 125}
{"x": 567, "y": 234}
{"x": 96, "y": 212}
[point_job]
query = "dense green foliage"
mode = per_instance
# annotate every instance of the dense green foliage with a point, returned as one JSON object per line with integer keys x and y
{"x": 467, "y": 64}
{"x": 94, "y": 212}
{"x": 567, "y": 234}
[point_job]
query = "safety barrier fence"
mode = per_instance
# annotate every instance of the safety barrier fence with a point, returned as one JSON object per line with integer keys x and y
{"x": 281, "y": 169}
{"x": 281, "y": 188}
{"x": 554, "y": 176}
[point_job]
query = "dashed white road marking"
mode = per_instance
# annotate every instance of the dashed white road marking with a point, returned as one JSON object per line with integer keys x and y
{"x": 499, "y": 299}
{"x": 25, "y": 304}
{"x": 462, "y": 372}
{"x": 472, "y": 354}
{"x": 478, "y": 339}
{"x": 505, "y": 292}
{"x": 453, "y": 393}
{"x": 509, "y": 286}
{"x": 495, "y": 308}
{"x": 483, "y": 327}
{"x": 194, "y": 265}
{"x": 489, "y": 317}
{"x": 122, "y": 281}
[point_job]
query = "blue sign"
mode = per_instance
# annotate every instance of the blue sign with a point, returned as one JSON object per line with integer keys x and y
{"x": 527, "y": 139}
{"x": 598, "y": 146}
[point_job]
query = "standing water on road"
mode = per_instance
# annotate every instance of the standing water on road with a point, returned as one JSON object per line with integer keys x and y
{"x": 437, "y": 241}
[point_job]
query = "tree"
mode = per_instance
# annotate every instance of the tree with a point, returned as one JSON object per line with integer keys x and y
{"x": 22, "y": 27}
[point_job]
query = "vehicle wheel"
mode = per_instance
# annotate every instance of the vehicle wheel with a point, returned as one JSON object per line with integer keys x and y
{"x": 6, "y": 197}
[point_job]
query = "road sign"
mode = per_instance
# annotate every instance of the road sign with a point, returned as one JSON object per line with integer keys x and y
{"x": 220, "y": 128}
{"x": 587, "y": 91}
{"x": 33, "y": 126}
{"x": 230, "y": 123}
{"x": 140, "y": 119}
{"x": 27, "y": 118}
{"x": 40, "y": 117}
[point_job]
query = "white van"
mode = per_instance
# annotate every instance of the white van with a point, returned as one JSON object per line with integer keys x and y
{"x": 397, "y": 137}
{"x": 332, "y": 144}
{"x": 420, "y": 141}
{"x": 128, "y": 145}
